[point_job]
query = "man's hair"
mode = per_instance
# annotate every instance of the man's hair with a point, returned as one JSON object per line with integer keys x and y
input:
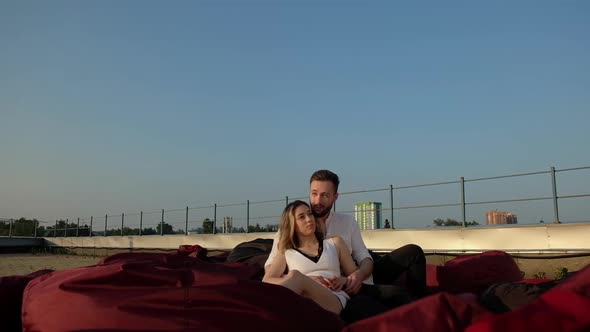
{"x": 325, "y": 175}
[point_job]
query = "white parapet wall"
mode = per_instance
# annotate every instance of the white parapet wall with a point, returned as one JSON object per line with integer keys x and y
{"x": 209, "y": 241}
{"x": 522, "y": 238}
{"x": 514, "y": 238}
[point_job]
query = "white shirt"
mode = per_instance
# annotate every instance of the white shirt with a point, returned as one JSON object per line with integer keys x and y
{"x": 327, "y": 266}
{"x": 343, "y": 225}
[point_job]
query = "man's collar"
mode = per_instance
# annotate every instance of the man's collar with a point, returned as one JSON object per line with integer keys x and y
{"x": 324, "y": 225}
{"x": 330, "y": 215}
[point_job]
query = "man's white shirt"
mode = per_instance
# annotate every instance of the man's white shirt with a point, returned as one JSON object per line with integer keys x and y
{"x": 337, "y": 224}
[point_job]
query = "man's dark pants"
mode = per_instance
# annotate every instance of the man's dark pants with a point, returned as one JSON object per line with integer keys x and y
{"x": 407, "y": 262}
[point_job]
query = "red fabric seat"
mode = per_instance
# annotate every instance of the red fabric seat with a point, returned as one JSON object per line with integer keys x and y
{"x": 441, "y": 312}
{"x": 11, "y": 298}
{"x": 432, "y": 276}
{"x": 163, "y": 292}
{"x": 474, "y": 273}
{"x": 192, "y": 251}
{"x": 565, "y": 308}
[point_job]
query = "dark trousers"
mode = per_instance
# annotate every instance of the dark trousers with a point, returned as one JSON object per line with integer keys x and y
{"x": 407, "y": 262}
{"x": 373, "y": 300}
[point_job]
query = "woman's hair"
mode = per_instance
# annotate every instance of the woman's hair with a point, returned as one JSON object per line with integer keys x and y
{"x": 287, "y": 238}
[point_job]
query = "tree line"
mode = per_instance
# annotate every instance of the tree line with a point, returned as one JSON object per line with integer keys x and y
{"x": 63, "y": 228}
{"x": 26, "y": 227}
{"x": 208, "y": 226}
{"x": 453, "y": 222}
{"x": 20, "y": 227}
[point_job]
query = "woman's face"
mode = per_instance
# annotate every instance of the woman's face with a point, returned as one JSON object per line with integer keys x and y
{"x": 304, "y": 221}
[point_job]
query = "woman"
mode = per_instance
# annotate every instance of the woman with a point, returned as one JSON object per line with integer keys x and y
{"x": 304, "y": 252}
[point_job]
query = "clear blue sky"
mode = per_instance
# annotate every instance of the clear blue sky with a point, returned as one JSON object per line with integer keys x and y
{"x": 122, "y": 106}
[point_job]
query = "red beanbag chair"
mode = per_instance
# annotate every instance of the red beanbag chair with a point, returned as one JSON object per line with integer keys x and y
{"x": 162, "y": 292}
{"x": 432, "y": 277}
{"x": 441, "y": 312}
{"x": 11, "y": 298}
{"x": 475, "y": 273}
{"x": 564, "y": 308}
{"x": 192, "y": 251}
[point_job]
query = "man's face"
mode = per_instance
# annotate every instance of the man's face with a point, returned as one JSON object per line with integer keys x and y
{"x": 322, "y": 195}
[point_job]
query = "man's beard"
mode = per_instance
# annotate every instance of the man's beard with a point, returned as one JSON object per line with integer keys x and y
{"x": 321, "y": 213}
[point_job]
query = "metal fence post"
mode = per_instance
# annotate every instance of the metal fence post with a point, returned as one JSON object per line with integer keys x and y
{"x": 463, "y": 200}
{"x": 286, "y": 200}
{"x": 35, "y": 225}
{"x": 162, "y": 224}
{"x": 140, "y": 222}
{"x": 78, "y": 227}
{"x": 10, "y": 228}
{"x": 66, "y": 228}
{"x": 186, "y": 222}
{"x": 90, "y": 230}
{"x": 554, "y": 187}
{"x": 55, "y": 230}
{"x": 391, "y": 202}
{"x": 122, "y": 222}
{"x": 106, "y": 217}
{"x": 248, "y": 216}
{"x": 214, "y": 218}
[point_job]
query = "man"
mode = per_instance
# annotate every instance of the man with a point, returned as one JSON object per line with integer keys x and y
{"x": 408, "y": 260}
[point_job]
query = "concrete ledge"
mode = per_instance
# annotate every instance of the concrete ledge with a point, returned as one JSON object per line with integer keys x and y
{"x": 526, "y": 238}
{"x": 518, "y": 238}
{"x": 213, "y": 242}
{"x": 20, "y": 244}
{"x": 13, "y": 242}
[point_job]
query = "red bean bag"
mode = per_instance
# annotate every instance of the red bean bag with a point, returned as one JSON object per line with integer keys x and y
{"x": 564, "y": 308}
{"x": 166, "y": 292}
{"x": 475, "y": 273}
{"x": 442, "y": 312}
{"x": 11, "y": 298}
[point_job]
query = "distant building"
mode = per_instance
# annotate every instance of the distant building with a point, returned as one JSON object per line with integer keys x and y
{"x": 227, "y": 225}
{"x": 500, "y": 218}
{"x": 368, "y": 215}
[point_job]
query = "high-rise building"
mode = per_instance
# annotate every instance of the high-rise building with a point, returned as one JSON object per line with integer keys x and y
{"x": 368, "y": 215}
{"x": 500, "y": 218}
{"x": 227, "y": 224}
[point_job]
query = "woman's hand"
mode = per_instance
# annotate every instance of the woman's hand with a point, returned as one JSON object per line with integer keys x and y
{"x": 321, "y": 280}
{"x": 336, "y": 283}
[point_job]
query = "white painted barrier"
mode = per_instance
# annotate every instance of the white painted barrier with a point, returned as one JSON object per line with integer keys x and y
{"x": 514, "y": 238}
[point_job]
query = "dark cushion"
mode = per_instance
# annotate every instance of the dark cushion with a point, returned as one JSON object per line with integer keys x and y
{"x": 247, "y": 250}
{"x": 253, "y": 252}
{"x": 505, "y": 297}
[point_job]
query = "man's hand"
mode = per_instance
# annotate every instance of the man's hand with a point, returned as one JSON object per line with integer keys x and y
{"x": 353, "y": 283}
